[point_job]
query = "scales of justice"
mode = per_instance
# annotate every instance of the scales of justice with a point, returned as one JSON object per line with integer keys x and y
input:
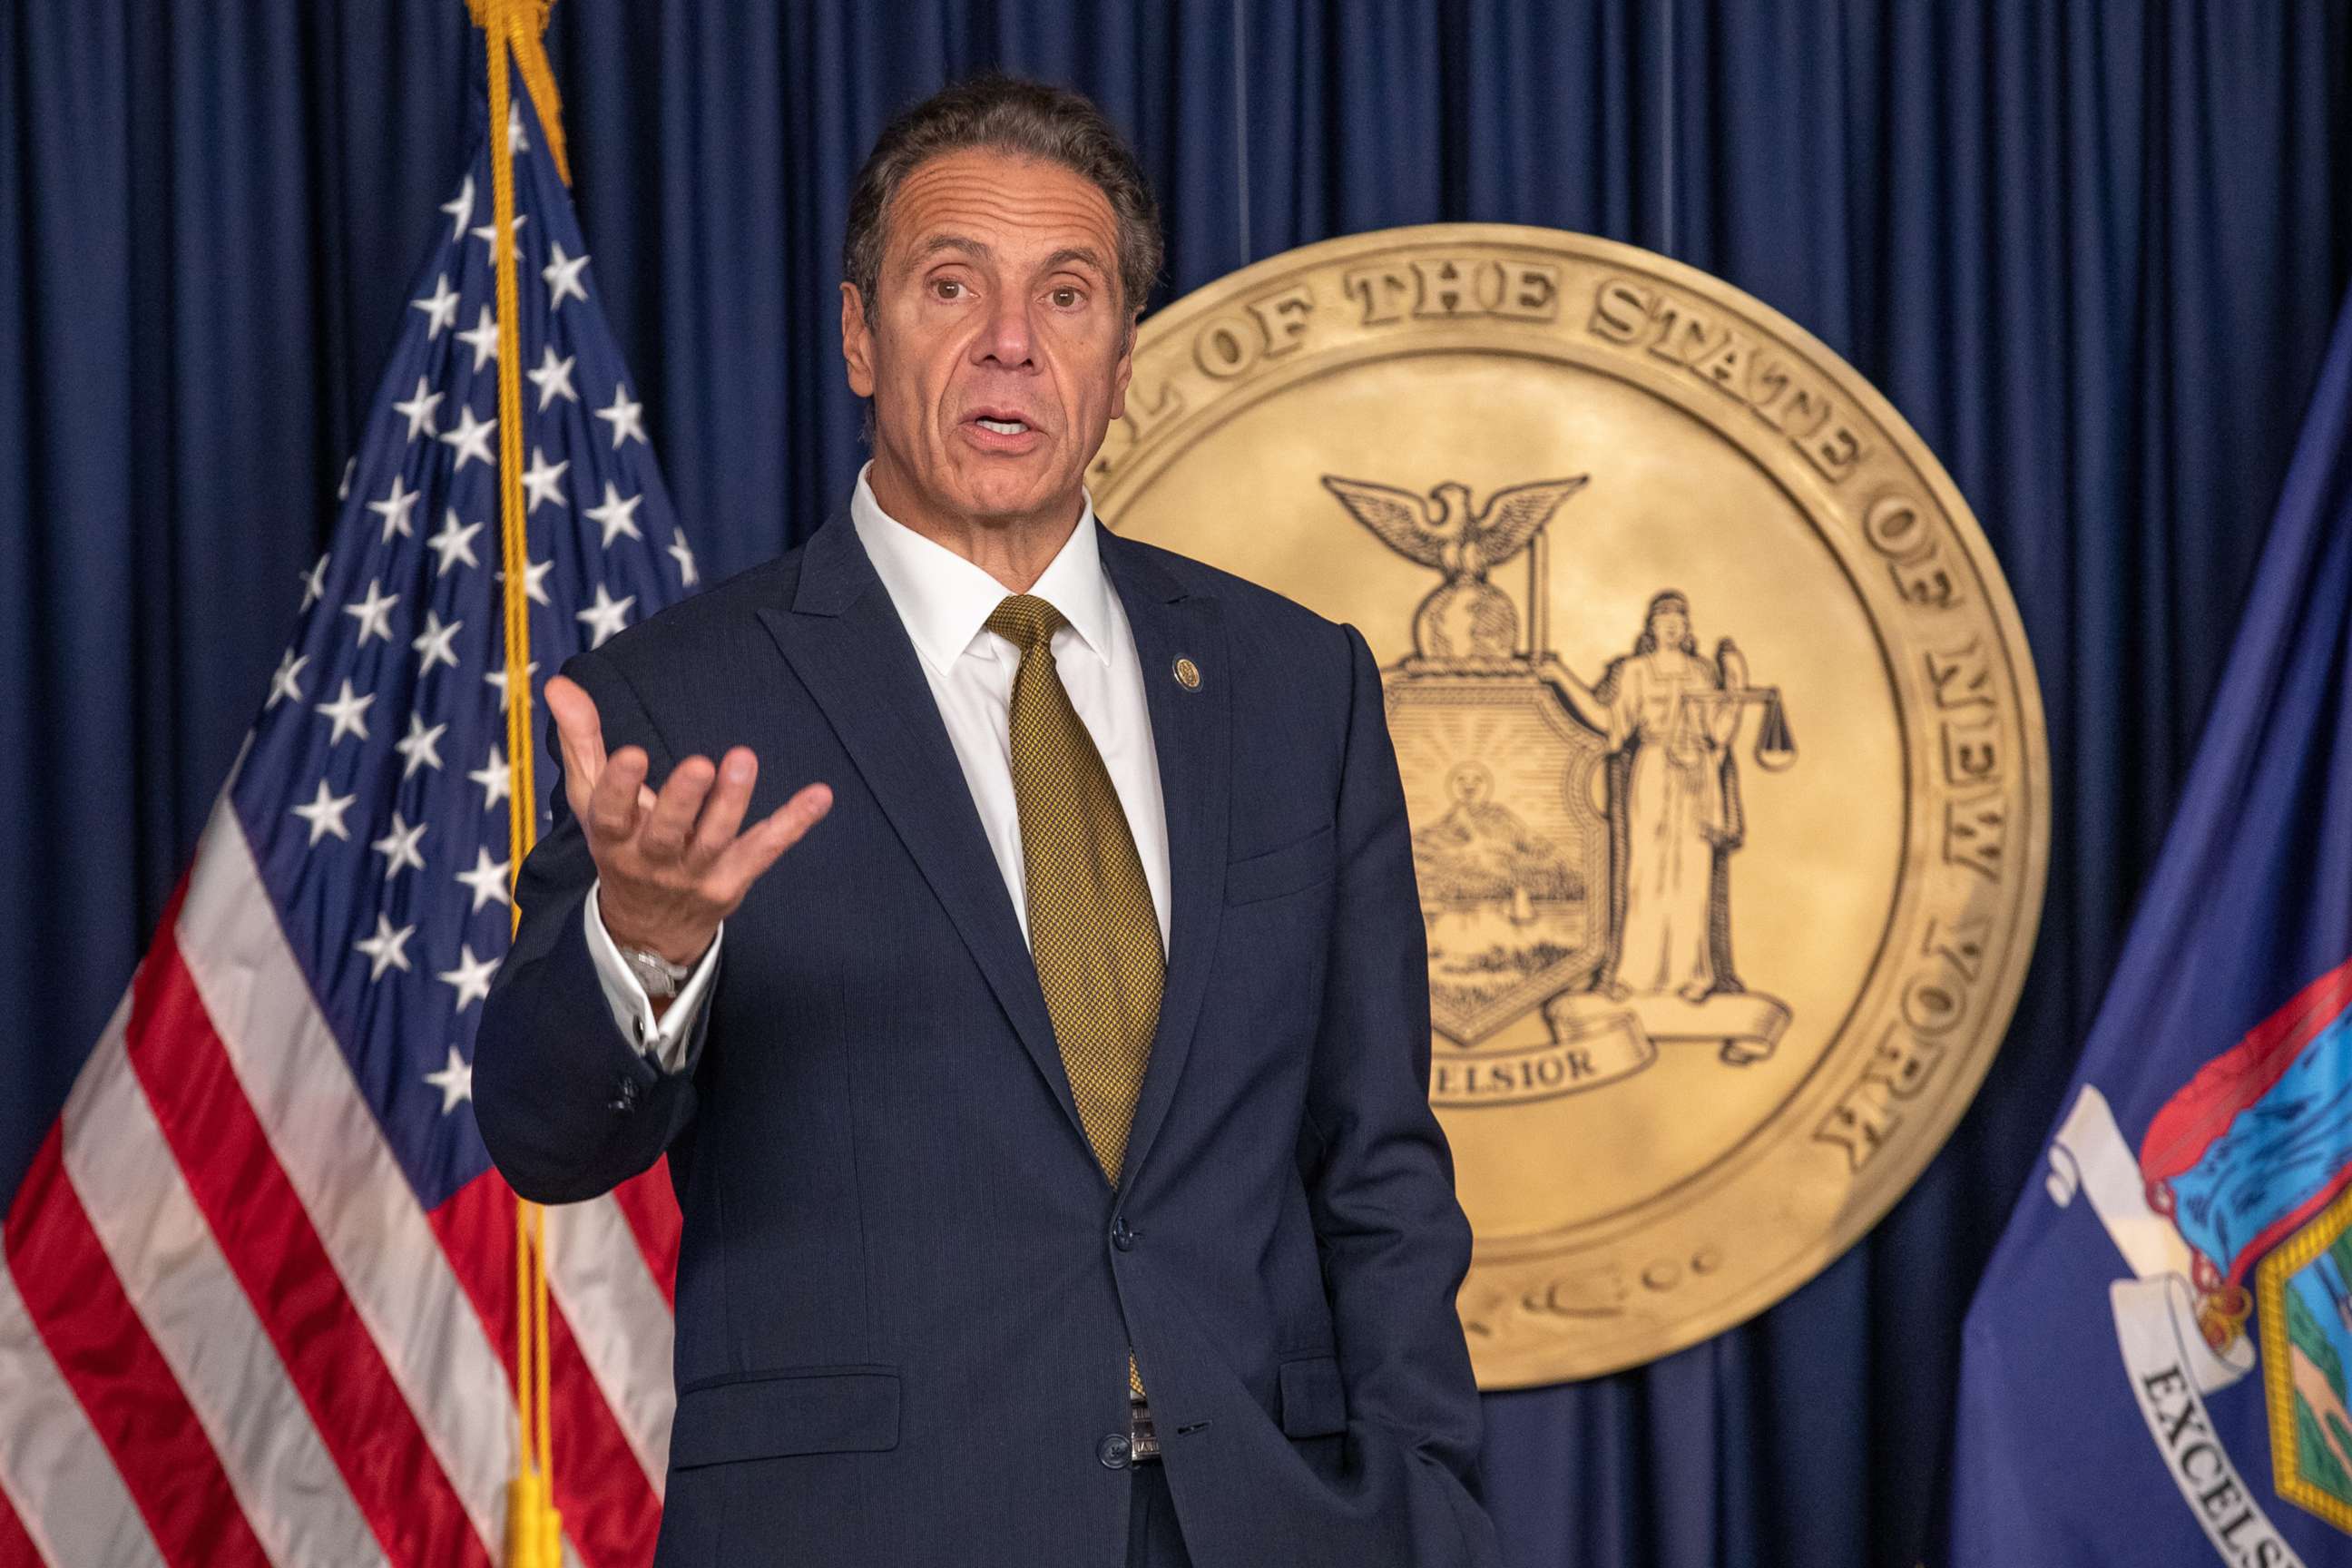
{"x": 1574, "y": 842}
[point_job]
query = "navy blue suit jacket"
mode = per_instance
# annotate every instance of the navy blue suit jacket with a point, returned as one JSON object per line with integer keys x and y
{"x": 906, "y": 1293}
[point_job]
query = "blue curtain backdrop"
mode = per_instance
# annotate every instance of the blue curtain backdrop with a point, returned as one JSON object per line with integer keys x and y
{"x": 2090, "y": 249}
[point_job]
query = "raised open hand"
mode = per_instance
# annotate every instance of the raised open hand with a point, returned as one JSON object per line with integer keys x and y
{"x": 671, "y": 866}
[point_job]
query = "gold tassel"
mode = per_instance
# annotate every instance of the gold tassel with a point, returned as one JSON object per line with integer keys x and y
{"x": 524, "y": 22}
{"x": 513, "y": 32}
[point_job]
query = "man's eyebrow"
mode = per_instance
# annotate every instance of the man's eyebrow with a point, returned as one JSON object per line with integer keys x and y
{"x": 1085, "y": 255}
{"x": 940, "y": 242}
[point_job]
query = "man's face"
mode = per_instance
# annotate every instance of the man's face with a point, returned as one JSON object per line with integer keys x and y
{"x": 999, "y": 351}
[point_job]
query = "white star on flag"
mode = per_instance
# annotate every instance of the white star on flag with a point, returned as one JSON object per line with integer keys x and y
{"x": 553, "y": 378}
{"x": 534, "y": 580}
{"x": 486, "y": 231}
{"x": 482, "y": 337}
{"x": 419, "y": 407}
{"x": 495, "y": 776}
{"x": 419, "y": 748}
{"x": 615, "y": 517}
{"x": 540, "y": 481}
{"x": 440, "y": 308}
{"x": 435, "y": 643}
{"x": 460, "y": 209}
{"x": 472, "y": 977}
{"x": 685, "y": 559}
{"x": 394, "y": 507}
{"x": 487, "y": 879}
{"x": 471, "y": 438}
{"x": 562, "y": 275}
{"x": 398, "y": 846}
{"x": 497, "y": 677}
{"x": 605, "y": 617}
{"x": 373, "y": 612}
{"x": 625, "y": 417}
{"x": 453, "y": 543}
{"x": 455, "y": 1081}
{"x": 325, "y": 813}
{"x": 287, "y": 681}
{"x": 387, "y": 949}
{"x": 349, "y": 711}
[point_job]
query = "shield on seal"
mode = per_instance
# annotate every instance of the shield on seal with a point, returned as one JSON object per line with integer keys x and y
{"x": 1509, "y": 847}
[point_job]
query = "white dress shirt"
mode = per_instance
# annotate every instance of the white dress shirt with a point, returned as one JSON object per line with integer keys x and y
{"x": 944, "y": 601}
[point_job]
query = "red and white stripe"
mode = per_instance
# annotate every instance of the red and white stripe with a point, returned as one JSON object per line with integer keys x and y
{"x": 228, "y": 1332}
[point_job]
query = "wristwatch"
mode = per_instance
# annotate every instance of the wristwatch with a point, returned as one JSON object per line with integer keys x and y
{"x": 657, "y": 974}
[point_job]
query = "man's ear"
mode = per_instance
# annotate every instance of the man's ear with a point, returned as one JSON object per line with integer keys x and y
{"x": 856, "y": 341}
{"x": 1124, "y": 369}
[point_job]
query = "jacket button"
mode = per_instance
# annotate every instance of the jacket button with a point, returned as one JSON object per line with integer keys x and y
{"x": 1121, "y": 1236}
{"x": 1112, "y": 1451}
{"x": 624, "y": 1095}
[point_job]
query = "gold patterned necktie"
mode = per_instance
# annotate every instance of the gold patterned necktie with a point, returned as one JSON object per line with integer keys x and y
{"x": 1092, "y": 928}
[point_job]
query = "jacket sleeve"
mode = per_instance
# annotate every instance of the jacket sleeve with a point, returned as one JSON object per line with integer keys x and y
{"x": 1379, "y": 1176}
{"x": 567, "y": 1103}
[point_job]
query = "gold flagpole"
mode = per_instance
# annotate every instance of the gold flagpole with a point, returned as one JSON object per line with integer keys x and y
{"x": 513, "y": 33}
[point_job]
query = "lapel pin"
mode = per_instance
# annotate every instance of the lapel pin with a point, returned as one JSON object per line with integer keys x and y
{"x": 1188, "y": 675}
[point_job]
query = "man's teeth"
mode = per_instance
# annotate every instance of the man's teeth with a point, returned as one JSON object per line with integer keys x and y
{"x": 1004, "y": 426}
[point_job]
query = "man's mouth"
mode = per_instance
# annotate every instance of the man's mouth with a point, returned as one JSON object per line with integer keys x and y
{"x": 1006, "y": 432}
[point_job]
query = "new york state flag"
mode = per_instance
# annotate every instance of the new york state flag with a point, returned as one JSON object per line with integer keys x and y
{"x": 2158, "y": 1366}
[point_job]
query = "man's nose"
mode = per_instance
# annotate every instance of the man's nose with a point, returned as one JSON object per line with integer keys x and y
{"x": 1008, "y": 341}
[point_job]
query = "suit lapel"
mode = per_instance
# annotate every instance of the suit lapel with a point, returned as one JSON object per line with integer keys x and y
{"x": 843, "y": 637}
{"x": 1190, "y": 735}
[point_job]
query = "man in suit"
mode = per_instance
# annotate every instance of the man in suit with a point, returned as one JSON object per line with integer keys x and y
{"x": 1043, "y": 1071}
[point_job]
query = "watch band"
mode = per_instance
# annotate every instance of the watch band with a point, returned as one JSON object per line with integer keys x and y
{"x": 657, "y": 974}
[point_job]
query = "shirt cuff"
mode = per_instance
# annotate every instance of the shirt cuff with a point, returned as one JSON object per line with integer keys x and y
{"x": 662, "y": 1038}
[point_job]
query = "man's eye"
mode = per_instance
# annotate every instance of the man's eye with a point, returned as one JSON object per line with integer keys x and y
{"x": 1067, "y": 299}
{"x": 947, "y": 288}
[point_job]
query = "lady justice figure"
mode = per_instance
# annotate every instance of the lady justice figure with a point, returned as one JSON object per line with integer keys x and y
{"x": 1668, "y": 719}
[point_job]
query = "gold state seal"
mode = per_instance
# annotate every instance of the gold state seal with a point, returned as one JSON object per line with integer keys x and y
{"x": 1705, "y": 1002}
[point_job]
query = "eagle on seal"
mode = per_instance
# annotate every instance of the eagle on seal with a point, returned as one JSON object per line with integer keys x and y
{"x": 1466, "y": 616}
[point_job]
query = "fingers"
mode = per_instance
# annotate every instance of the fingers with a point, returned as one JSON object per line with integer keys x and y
{"x": 676, "y": 861}
{"x": 580, "y": 735}
{"x": 722, "y": 814}
{"x": 615, "y": 805}
{"x": 672, "y": 820}
{"x": 577, "y": 725}
{"x": 750, "y": 856}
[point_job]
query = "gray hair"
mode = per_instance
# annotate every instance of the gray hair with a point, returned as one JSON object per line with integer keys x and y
{"x": 1025, "y": 119}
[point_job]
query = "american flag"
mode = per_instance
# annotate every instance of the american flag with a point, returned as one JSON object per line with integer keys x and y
{"x": 261, "y": 1296}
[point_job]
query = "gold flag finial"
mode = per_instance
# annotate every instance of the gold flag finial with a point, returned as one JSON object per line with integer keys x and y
{"x": 522, "y": 25}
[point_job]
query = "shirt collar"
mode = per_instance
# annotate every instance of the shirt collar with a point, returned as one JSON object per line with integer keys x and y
{"x": 945, "y": 600}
